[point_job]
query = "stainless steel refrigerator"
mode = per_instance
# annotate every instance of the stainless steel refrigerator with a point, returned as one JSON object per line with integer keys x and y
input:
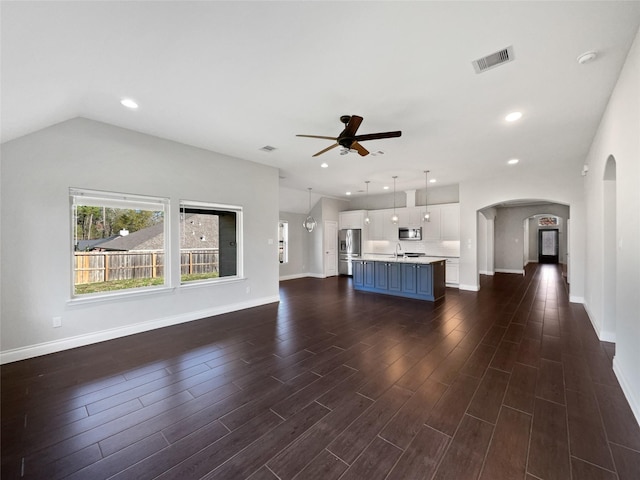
{"x": 348, "y": 249}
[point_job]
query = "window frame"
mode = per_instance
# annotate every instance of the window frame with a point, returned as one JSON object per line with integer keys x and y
{"x": 239, "y": 240}
{"x": 109, "y": 199}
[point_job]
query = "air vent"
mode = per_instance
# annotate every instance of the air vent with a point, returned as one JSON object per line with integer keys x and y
{"x": 268, "y": 148}
{"x": 495, "y": 59}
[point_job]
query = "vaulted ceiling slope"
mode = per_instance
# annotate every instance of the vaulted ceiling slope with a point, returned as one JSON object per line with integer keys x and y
{"x": 234, "y": 77}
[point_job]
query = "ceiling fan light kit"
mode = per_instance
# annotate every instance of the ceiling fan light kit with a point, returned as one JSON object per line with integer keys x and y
{"x": 348, "y": 139}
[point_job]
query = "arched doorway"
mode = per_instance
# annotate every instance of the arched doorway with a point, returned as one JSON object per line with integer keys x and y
{"x": 609, "y": 222}
{"x": 508, "y": 234}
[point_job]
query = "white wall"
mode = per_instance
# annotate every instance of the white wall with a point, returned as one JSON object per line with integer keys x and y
{"x": 36, "y": 173}
{"x": 618, "y": 136}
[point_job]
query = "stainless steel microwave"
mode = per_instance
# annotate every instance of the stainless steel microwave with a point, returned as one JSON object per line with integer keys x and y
{"x": 405, "y": 233}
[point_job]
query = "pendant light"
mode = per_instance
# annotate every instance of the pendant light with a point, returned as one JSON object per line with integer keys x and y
{"x": 310, "y": 223}
{"x": 427, "y": 215}
{"x": 394, "y": 217}
{"x": 367, "y": 220}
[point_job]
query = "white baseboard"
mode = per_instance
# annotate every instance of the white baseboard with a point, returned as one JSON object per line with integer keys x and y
{"x": 576, "y": 299}
{"x": 509, "y": 270}
{"x": 634, "y": 402}
{"x": 470, "y": 288}
{"x": 46, "y": 348}
{"x": 603, "y": 335}
{"x": 293, "y": 277}
{"x": 486, "y": 272}
{"x": 607, "y": 337}
{"x": 316, "y": 275}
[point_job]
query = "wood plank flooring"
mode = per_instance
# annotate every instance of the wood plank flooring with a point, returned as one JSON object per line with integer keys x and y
{"x": 506, "y": 383}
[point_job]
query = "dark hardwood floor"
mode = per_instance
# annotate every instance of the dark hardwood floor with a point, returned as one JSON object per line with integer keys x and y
{"x": 507, "y": 383}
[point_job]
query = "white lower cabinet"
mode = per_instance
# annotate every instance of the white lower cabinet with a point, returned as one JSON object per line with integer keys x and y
{"x": 452, "y": 271}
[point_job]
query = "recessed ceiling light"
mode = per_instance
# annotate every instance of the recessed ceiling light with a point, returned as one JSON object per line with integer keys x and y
{"x": 513, "y": 161}
{"x": 348, "y": 193}
{"x": 127, "y": 102}
{"x": 433, "y": 180}
{"x": 513, "y": 116}
{"x": 386, "y": 187}
{"x": 324, "y": 165}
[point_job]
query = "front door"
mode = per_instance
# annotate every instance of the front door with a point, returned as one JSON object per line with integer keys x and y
{"x": 548, "y": 246}
{"x": 330, "y": 248}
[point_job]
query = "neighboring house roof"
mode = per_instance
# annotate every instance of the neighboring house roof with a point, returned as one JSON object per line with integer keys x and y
{"x": 86, "y": 245}
{"x": 201, "y": 231}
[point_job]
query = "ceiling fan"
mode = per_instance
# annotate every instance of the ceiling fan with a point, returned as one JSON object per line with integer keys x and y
{"x": 348, "y": 138}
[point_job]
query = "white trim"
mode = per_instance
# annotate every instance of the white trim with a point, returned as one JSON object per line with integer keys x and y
{"x": 316, "y": 275}
{"x": 607, "y": 337}
{"x": 509, "y": 270}
{"x": 293, "y": 277}
{"x": 634, "y": 403}
{"x": 45, "y": 348}
{"x": 603, "y": 336}
{"x": 576, "y": 299}
{"x": 470, "y": 288}
{"x": 486, "y": 272}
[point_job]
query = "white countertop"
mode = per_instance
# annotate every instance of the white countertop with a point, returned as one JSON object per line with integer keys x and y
{"x": 387, "y": 257}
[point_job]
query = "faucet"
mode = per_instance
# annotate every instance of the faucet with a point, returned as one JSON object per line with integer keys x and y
{"x": 398, "y": 247}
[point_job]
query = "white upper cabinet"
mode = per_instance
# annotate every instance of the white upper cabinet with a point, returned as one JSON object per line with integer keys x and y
{"x": 410, "y": 217}
{"x": 431, "y": 229}
{"x": 444, "y": 222}
{"x": 351, "y": 219}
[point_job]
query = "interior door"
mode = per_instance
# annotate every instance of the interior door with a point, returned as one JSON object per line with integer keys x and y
{"x": 548, "y": 246}
{"x": 330, "y": 248}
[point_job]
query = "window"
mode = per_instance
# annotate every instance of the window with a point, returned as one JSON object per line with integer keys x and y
{"x": 547, "y": 221}
{"x": 283, "y": 241}
{"x": 209, "y": 241}
{"x": 119, "y": 242}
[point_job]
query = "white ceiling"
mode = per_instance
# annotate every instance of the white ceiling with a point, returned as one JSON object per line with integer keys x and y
{"x": 233, "y": 77}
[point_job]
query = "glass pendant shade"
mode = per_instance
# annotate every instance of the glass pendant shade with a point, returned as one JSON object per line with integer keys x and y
{"x": 367, "y": 220}
{"x": 394, "y": 217}
{"x": 427, "y": 215}
{"x": 309, "y": 223}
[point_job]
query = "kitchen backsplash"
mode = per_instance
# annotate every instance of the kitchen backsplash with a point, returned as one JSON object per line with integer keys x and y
{"x": 432, "y": 249}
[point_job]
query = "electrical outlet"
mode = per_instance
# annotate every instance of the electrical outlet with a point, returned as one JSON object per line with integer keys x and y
{"x": 57, "y": 322}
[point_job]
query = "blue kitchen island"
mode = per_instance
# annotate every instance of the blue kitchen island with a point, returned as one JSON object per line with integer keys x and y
{"x": 418, "y": 278}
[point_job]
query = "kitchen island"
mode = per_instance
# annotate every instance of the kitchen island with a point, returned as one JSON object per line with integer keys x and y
{"x": 422, "y": 278}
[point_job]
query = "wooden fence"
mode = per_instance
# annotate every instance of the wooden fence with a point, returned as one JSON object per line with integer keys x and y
{"x": 93, "y": 267}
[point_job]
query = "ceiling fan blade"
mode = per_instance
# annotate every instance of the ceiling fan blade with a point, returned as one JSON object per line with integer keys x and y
{"x": 360, "y": 149}
{"x": 326, "y": 149}
{"x": 353, "y": 125}
{"x": 376, "y": 136}
{"x": 318, "y": 136}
